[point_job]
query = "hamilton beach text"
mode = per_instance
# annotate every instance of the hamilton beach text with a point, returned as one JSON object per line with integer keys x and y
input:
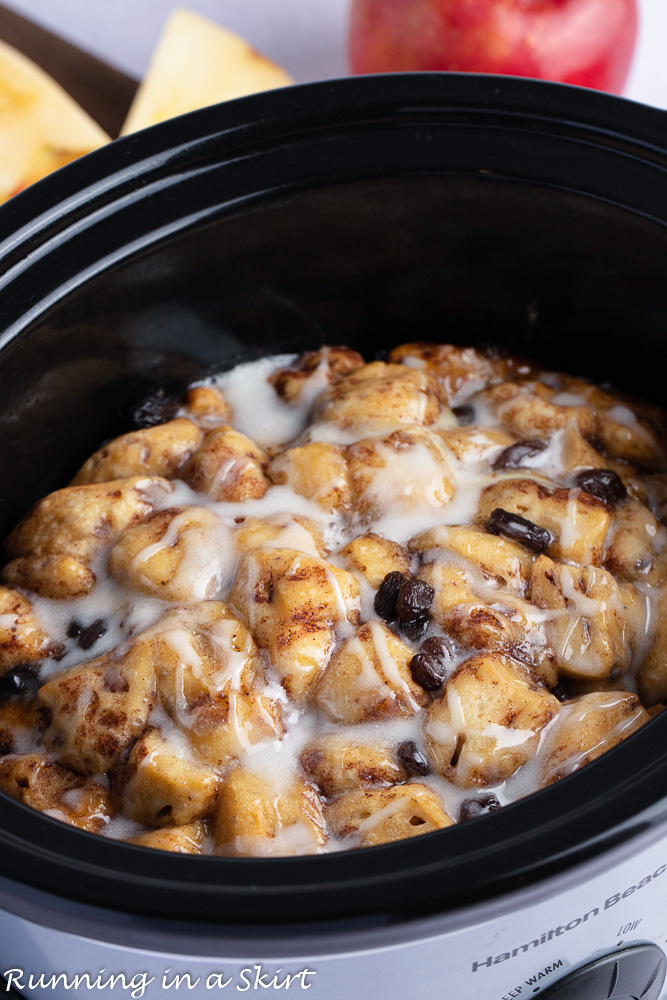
{"x": 253, "y": 978}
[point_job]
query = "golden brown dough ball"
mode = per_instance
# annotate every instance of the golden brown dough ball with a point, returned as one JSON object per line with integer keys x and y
{"x": 636, "y": 546}
{"x": 206, "y": 406}
{"x": 369, "y": 678}
{"x": 498, "y": 560}
{"x": 152, "y": 451}
{"x": 527, "y": 409}
{"x": 476, "y": 444}
{"x": 340, "y": 764}
{"x": 403, "y": 472}
{"x": 371, "y": 816}
{"x": 292, "y": 604}
{"x": 586, "y": 728}
{"x": 228, "y": 466}
{"x": 652, "y": 676}
{"x": 254, "y": 818}
{"x": 628, "y": 429}
{"x": 279, "y": 531}
{"x": 44, "y": 784}
{"x": 593, "y": 623}
{"x": 313, "y": 371}
{"x": 99, "y": 708}
{"x": 487, "y": 721}
{"x": 462, "y": 371}
{"x": 22, "y": 639}
{"x": 317, "y": 471}
{"x": 578, "y": 453}
{"x": 500, "y": 621}
{"x": 380, "y": 397}
{"x": 177, "y": 554}
{"x": 211, "y": 682}
{"x": 187, "y": 839}
{"x": 374, "y": 557}
{"x": 52, "y": 548}
{"x": 162, "y": 784}
{"x": 578, "y": 522}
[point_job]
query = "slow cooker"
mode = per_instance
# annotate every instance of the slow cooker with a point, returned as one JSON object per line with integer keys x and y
{"x": 368, "y": 212}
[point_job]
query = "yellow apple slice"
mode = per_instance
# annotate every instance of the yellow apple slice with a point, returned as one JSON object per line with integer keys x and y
{"x": 41, "y": 127}
{"x": 197, "y": 63}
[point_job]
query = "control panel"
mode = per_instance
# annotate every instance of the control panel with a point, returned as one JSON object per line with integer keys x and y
{"x": 636, "y": 973}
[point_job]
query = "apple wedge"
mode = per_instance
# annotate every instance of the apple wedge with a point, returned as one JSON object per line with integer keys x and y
{"x": 198, "y": 63}
{"x": 41, "y": 127}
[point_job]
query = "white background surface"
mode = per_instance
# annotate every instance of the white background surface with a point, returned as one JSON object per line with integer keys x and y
{"x": 306, "y": 36}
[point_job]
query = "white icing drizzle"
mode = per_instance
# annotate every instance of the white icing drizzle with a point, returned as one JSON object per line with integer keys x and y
{"x": 389, "y": 665}
{"x": 257, "y": 411}
{"x": 623, "y": 415}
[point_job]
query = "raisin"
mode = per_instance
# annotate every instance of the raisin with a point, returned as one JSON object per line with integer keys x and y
{"x": 405, "y": 599}
{"x": 19, "y": 682}
{"x": 439, "y": 647}
{"x": 414, "y": 600}
{"x": 563, "y": 690}
{"x": 604, "y": 484}
{"x": 91, "y": 634}
{"x": 519, "y": 529}
{"x": 465, "y": 414}
{"x": 516, "y": 455}
{"x": 154, "y": 410}
{"x": 387, "y": 595}
{"x": 412, "y": 759}
{"x": 415, "y": 629}
{"x": 472, "y": 808}
{"x": 427, "y": 671}
{"x": 428, "y": 666}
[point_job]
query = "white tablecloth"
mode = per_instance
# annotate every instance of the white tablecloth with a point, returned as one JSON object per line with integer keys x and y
{"x": 305, "y": 36}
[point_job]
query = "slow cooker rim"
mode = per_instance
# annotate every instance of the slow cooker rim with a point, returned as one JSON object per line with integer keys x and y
{"x": 82, "y": 863}
{"x": 80, "y": 195}
{"x": 372, "y": 932}
{"x": 79, "y": 187}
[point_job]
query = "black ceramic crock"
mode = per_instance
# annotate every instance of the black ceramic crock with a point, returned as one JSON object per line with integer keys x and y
{"x": 368, "y": 212}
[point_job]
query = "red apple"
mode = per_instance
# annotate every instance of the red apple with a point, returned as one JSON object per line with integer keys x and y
{"x": 584, "y": 42}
